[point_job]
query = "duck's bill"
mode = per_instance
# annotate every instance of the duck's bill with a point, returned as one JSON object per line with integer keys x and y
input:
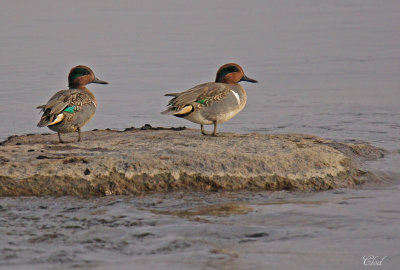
{"x": 247, "y": 79}
{"x": 99, "y": 81}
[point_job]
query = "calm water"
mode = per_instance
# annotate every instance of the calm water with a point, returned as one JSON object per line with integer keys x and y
{"x": 326, "y": 68}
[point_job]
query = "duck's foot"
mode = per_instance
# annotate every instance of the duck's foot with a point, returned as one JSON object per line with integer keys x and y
{"x": 215, "y": 129}
{"x": 214, "y": 134}
{"x": 202, "y": 130}
{"x": 79, "y": 135}
{"x": 59, "y": 138}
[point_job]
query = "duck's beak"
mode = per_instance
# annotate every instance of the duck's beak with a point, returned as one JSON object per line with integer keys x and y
{"x": 247, "y": 79}
{"x": 99, "y": 81}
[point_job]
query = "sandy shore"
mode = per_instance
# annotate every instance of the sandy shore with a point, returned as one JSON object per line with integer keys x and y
{"x": 137, "y": 161}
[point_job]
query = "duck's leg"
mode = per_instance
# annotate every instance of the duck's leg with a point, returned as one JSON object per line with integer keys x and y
{"x": 202, "y": 130}
{"x": 59, "y": 137}
{"x": 215, "y": 129}
{"x": 79, "y": 134}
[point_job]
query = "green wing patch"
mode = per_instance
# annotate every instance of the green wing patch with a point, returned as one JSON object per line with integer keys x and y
{"x": 70, "y": 109}
{"x": 202, "y": 101}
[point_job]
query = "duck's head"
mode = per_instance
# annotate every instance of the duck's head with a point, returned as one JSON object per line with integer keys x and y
{"x": 80, "y": 76}
{"x": 232, "y": 73}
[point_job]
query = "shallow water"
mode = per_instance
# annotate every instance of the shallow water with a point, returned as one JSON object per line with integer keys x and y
{"x": 324, "y": 68}
{"x": 241, "y": 230}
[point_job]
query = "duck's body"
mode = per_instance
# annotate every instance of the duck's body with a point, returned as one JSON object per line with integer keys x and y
{"x": 226, "y": 102}
{"x": 58, "y": 118}
{"x": 69, "y": 110}
{"x": 212, "y": 102}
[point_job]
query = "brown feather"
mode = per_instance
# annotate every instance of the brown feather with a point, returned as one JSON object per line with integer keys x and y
{"x": 209, "y": 91}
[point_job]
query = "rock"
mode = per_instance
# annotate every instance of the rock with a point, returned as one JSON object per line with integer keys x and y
{"x": 141, "y": 160}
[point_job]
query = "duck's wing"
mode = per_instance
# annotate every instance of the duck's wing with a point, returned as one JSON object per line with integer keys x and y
{"x": 197, "y": 97}
{"x": 64, "y": 101}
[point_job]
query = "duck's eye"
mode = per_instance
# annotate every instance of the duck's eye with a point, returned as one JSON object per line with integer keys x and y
{"x": 228, "y": 70}
{"x": 80, "y": 71}
{"x": 77, "y": 72}
{"x": 233, "y": 69}
{"x": 225, "y": 71}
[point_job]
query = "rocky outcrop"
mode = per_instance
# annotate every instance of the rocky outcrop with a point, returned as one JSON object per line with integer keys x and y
{"x": 136, "y": 161}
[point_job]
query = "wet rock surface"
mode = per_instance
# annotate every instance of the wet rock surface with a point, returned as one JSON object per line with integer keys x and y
{"x": 147, "y": 159}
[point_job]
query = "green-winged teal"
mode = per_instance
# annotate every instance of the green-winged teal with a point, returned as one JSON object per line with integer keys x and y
{"x": 212, "y": 102}
{"x": 69, "y": 110}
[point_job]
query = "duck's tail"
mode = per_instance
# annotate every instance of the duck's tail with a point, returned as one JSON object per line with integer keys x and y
{"x": 48, "y": 119}
{"x": 44, "y": 122}
{"x": 168, "y": 111}
{"x": 172, "y": 95}
{"x": 171, "y": 109}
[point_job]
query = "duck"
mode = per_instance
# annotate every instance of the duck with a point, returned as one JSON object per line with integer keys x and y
{"x": 69, "y": 110}
{"x": 212, "y": 103}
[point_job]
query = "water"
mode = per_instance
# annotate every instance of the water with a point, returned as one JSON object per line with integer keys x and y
{"x": 330, "y": 230}
{"x": 325, "y": 68}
